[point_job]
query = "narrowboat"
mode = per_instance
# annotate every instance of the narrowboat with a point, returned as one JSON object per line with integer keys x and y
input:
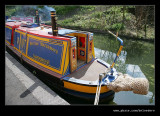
{"x": 65, "y": 56}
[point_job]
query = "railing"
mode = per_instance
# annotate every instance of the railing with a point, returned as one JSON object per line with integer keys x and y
{"x": 107, "y": 75}
{"x": 119, "y": 51}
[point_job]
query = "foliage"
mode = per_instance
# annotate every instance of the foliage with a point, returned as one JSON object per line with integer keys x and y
{"x": 130, "y": 20}
{"x": 63, "y": 10}
{"x": 117, "y": 26}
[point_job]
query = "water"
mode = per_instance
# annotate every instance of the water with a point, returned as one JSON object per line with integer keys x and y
{"x": 136, "y": 59}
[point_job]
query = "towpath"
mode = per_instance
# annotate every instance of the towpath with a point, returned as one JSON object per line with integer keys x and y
{"x": 23, "y": 88}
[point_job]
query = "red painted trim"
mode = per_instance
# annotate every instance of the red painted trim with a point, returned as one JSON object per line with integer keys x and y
{"x": 46, "y": 36}
{"x": 80, "y": 52}
{"x": 12, "y": 36}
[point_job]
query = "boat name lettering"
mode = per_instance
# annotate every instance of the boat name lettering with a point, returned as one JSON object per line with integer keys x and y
{"x": 44, "y": 61}
{"x": 49, "y": 47}
{"x": 55, "y": 41}
{"x": 21, "y": 42}
{"x": 34, "y": 43}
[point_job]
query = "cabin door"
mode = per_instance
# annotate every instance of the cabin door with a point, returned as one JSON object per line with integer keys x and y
{"x": 73, "y": 54}
{"x": 89, "y": 47}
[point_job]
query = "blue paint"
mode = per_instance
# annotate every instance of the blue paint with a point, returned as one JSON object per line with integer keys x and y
{"x": 32, "y": 26}
{"x": 102, "y": 62}
{"x": 121, "y": 41}
{"x": 112, "y": 71}
{"x": 23, "y": 43}
{"x": 65, "y": 78}
{"x": 115, "y": 59}
{"x": 54, "y": 57}
{"x": 8, "y": 34}
{"x": 16, "y": 39}
{"x": 110, "y": 78}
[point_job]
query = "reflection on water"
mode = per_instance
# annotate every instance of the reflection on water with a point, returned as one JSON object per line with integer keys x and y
{"x": 136, "y": 59}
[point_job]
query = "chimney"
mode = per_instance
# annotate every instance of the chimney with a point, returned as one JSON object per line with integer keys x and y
{"x": 37, "y": 17}
{"x": 53, "y": 22}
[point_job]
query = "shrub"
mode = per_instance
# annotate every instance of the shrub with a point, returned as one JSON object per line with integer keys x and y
{"x": 117, "y": 26}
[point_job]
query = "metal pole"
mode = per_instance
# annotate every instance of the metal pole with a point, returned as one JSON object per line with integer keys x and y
{"x": 119, "y": 51}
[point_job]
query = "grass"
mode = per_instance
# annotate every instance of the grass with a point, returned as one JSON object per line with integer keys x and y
{"x": 95, "y": 17}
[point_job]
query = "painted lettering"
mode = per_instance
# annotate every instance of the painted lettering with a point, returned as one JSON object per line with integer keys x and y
{"x": 40, "y": 59}
{"x": 49, "y": 47}
{"x": 34, "y": 43}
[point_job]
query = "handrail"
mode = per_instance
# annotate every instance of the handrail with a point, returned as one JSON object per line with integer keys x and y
{"x": 119, "y": 51}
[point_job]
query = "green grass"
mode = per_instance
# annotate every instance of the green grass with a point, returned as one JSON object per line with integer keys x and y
{"x": 95, "y": 17}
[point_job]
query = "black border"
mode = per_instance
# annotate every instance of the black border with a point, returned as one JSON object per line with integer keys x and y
{"x": 81, "y": 108}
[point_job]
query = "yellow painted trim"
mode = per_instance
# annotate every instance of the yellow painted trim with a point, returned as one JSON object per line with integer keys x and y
{"x": 27, "y": 46}
{"x": 8, "y": 27}
{"x": 20, "y": 32}
{"x": 93, "y": 53}
{"x": 63, "y": 57}
{"x": 39, "y": 38}
{"x": 82, "y": 88}
{"x": 20, "y": 41}
{"x": 17, "y": 49}
{"x": 66, "y": 60}
{"x": 119, "y": 51}
{"x": 45, "y": 66}
{"x": 112, "y": 65}
{"x": 48, "y": 67}
{"x": 63, "y": 61}
{"x": 8, "y": 42}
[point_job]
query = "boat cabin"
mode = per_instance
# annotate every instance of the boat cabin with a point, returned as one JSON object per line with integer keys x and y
{"x": 62, "y": 54}
{"x": 66, "y": 55}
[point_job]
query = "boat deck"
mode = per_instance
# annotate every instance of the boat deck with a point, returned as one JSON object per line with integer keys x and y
{"x": 89, "y": 72}
{"x": 80, "y": 62}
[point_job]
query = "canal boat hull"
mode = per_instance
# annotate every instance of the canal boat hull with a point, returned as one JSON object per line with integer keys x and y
{"x": 54, "y": 59}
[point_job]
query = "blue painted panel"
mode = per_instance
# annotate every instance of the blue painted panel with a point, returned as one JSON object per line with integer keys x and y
{"x": 16, "y": 40}
{"x": 8, "y": 34}
{"x": 23, "y": 43}
{"x": 47, "y": 53}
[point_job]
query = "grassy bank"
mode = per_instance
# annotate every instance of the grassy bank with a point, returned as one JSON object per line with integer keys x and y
{"x": 103, "y": 18}
{"x": 99, "y": 18}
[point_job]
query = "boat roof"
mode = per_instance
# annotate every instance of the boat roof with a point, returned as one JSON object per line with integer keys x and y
{"x": 45, "y": 32}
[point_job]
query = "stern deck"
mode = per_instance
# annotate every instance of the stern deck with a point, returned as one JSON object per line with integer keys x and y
{"x": 89, "y": 72}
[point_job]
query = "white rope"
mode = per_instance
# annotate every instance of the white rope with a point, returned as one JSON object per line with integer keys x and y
{"x": 96, "y": 101}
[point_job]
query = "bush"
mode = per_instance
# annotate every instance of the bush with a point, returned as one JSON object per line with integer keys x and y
{"x": 117, "y": 26}
{"x": 97, "y": 14}
{"x": 63, "y": 10}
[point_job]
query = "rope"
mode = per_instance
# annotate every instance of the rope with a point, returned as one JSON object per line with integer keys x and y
{"x": 96, "y": 101}
{"x": 125, "y": 82}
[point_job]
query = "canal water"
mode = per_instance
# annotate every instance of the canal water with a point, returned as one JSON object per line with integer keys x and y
{"x": 136, "y": 59}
